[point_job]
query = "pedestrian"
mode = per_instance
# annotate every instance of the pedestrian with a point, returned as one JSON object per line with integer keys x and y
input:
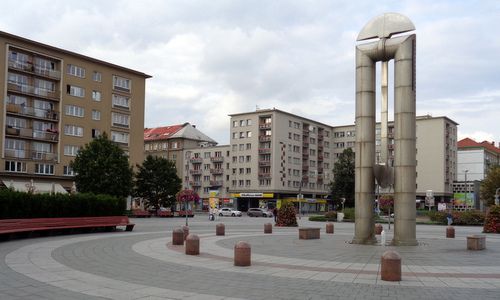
{"x": 449, "y": 217}
{"x": 275, "y": 214}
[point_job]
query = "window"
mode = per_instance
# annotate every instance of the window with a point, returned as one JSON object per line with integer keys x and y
{"x": 249, "y": 158}
{"x": 73, "y": 130}
{"x": 235, "y": 135}
{"x": 15, "y": 166}
{"x": 97, "y": 76}
{"x": 249, "y": 134}
{"x": 206, "y": 154}
{"x": 44, "y": 169}
{"x": 248, "y": 182}
{"x": 44, "y": 85}
{"x": 120, "y": 137}
{"x": 242, "y": 135}
{"x": 16, "y": 122}
{"x": 235, "y": 147}
{"x": 75, "y": 91}
{"x": 249, "y": 146}
{"x": 95, "y": 132}
{"x": 76, "y": 71}
{"x": 96, "y": 115}
{"x": 68, "y": 171}
{"x": 96, "y": 95}
{"x": 71, "y": 150}
{"x": 235, "y": 123}
{"x": 242, "y": 123}
{"x": 242, "y": 170}
{"x": 120, "y": 120}
{"x": 249, "y": 122}
{"x": 242, "y": 147}
{"x": 73, "y": 110}
{"x": 248, "y": 170}
{"x": 121, "y": 101}
{"x": 121, "y": 83}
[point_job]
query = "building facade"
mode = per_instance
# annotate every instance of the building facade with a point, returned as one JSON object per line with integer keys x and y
{"x": 56, "y": 101}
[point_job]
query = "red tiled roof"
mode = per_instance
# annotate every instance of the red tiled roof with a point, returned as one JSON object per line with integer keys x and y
{"x": 470, "y": 143}
{"x": 161, "y": 133}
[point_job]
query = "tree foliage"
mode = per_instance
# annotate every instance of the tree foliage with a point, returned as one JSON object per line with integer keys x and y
{"x": 102, "y": 168}
{"x": 286, "y": 215}
{"x": 489, "y": 186}
{"x": 157, "y": 182}
{"x": 342, "y": 185}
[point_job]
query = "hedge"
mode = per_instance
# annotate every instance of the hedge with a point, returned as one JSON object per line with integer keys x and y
{"x": 19, "y": 205}
{"x": 492, "y": 222}
{"x": 470, "y": 217}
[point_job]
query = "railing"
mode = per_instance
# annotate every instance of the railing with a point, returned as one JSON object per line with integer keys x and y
{"x": 264, "y": 175}
{"x": 195, "y": 183}
{"x": 195, "y": 172}
{"x": 217, "y": 171}
{"x": 305, "y": 132}
{"x": 305, "y": 144}
{"x": 265, "y": 126}
{"x": 196, "y": 160}
{"x": 30, "y": 133}
{"x": 16, "y": 153}
{"x": 264, "y": 150}
{"x": 217, "y": 159}
{"x": 264, "y": 138}
{"x": 29, "y": 67}
{"x": 305, "y": 155}
{"x": 216, "y": 182}
{"x": 42, "y": 155}
{"x": 320, "y": 137}
{"x": 32, "y": 111}
{"x": 30, "y": 154}
{"x": 264, "y": 163}
{"x": 29, "y": 89}
{"x": 320, "y": 157}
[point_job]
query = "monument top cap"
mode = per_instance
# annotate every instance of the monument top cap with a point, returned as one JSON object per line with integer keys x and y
{"x": 384, "y": 26}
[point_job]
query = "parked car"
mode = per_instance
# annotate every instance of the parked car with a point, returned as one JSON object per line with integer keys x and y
{"x": 226, "y": 211}
{"x": 259, "y": 212}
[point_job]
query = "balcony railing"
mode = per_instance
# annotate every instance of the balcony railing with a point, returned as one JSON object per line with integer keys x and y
{"x": 265, "y": 126}
{"x": 195, "y": 172}
{"x": 33, "y": 91}
{"x": 31, "y": 68}
{"x": 264, "y": 163}
{"x": 45, "y": 156}
{"x": 320, "y": 157}
{"x": 217, "y": 159}
{"x": 305, "y": 167}
{"x": 305, "y": 144}
{"x": 305, "y": 155}
{"x": 217, "y": 171}
{"x": 196, "y": 160}
{"x": 305, "y": 132}
{"x": 264, "y": 138}
{"x": 32, "y": 112}
{"x": 320, "y": 137}
{"x": 264, "y": 150}
{"x": 50, "y": 136}
{"x": 264, "y": 175}
{"x": 16, "y": 153}
{"x": 216, "y": 182}
{"x": 195, "y": 183}
{"x": 30, "y": 154}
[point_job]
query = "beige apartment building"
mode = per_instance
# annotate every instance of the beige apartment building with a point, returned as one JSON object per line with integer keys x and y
{"x": 276, "y": 155}
{"x": 436, "y": 153}
{"x": 56, "y": 101}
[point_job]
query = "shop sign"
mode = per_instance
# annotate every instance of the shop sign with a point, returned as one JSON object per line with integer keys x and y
{"x": 253, "y": 195}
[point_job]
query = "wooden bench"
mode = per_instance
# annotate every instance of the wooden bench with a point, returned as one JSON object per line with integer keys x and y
{"x": 13, "y": 226}
{"x": 308, "y": 233}
{"x": 476, "y": 242}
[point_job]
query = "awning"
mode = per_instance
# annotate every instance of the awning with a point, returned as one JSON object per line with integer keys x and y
{"x": 39, "y": 187}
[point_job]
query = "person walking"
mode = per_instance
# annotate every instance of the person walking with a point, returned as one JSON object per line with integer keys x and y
{"x": 275, "y": 214}
{"x": 449, "y": 217}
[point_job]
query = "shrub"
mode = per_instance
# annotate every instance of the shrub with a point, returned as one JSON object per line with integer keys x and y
{"x": 286, "y": 215}
{"x": 331, "y": 215}
{"x": 18, "y": 205}
{"x": 492, "y": 221}
{"x": 318, "y": 218}
{"x": 470, "y": 217}
{"x": 349, "y": 213}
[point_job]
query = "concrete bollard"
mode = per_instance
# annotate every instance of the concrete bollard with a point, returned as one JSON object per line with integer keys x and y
{"x": 178, "y": 236}
{"x": 450, "y": 232}
{"x": 192, "y": 244}
{"x": 329, "y": 228}
{"x": 378, "y": 229}
{"x": 220, "y": 229}
{"x": 268, "y": 228}
{"x": 242, "y": 254}
{"x": 186, "y": 231}
{"x": 390, "y": 268}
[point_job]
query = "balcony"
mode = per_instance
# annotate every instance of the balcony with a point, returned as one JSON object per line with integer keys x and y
{"x": 305, "y": 145}
{"x": 16, "y": 153}
{"x": 217, "y": 171}
{"x": 320, "y": 148}
{"x": 320, "y": 157}
{"x": 44, "y": 156}
{"x": 264, "y": 138}
{"x": 46, "y": 114}
{"x": 34, "y": 69}
{"x": 195, "y": 183}
{"x": 217, "y": 159}
{"x": 196, "y": 160}
{"x": 264, "y": 175}
{"x": 195, "y": 172}
{"x": 265, "y": 126}
{"x": 215, "y": 182}
{"x": 305, "y": 167}
{"x": 33, "y": 91}
{"x": 50, "y": 136}
{"x": 305, "y": 155}
{"x": 305, "y": 132}
{"x": 390, "y": 146}
{"x": 320, "y": 137}
{"x": 264, "y": 163}
{"x": 264, "y": 150}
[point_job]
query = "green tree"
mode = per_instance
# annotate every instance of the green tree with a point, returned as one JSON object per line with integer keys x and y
{"x": 102, "y": 168}
{"x": 157, "y": 182}
{"x": 489, "y": 186}
{"x": 342, "y": 185}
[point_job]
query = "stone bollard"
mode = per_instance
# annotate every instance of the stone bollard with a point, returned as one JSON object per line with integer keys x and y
{"x": 186, "y": 231}
{"x": 378, "y": 229}
{"x": 178, "y": 236}
{"x": 242, "y": 254}
{"x": 268, "y": 228}
{"x": 220, "y": 229}
{"x": 192, "y": 244}
{"x": 390, "y": 269}
{"x": 450, "y": 232}
{"x": 329, "y": 228}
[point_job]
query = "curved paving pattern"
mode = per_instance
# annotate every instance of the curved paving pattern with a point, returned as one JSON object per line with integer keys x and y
{"x": 144, "y": 265}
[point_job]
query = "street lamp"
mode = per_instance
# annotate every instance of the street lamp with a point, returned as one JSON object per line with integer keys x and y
{"x": 187, "y": 157}
{"x": 466, "y": 188}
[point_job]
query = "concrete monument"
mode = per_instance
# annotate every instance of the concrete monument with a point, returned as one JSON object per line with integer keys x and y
{"x": 402, "y": 174}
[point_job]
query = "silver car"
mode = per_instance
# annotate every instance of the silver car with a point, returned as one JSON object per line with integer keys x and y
{"x": 226, "y": 211}
{"x": 259, "y": 212}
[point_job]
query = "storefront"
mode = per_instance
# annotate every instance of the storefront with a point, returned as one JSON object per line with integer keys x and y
{"x": 244, "y": 201}
{"x": 307, "y": 205}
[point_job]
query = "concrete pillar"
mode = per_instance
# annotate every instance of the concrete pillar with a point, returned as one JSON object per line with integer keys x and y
{"x": 365, "y": 149}
{"x": 329, "y": 228}
{"x": 405, "y": 144}
{"x": 384, "y": 140}
{"x": 390, "y": 266}
{"x": 192, "y": 244}
{"x": 220, "y": 229}
{"x": 178, "y": 236}
{"x": 268, "y": 228}
{"x": 242, "y": 254}
{"x": 450, "y": 232}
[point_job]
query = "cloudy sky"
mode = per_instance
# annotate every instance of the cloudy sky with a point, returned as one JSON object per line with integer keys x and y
{"x": 212, "y": 58}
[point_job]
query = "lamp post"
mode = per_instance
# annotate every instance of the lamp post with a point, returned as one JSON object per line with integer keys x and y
{"x": 497, "y": 196}
{"x": 187, "y": 157}
{"x": 466, "y": 188}
{"x": 299, "y": 197}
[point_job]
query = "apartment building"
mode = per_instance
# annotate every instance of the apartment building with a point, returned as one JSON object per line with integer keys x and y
{"x": 276, "y": 155}
{"x": 56, "y": 101}
{"x": 436, "y": 152}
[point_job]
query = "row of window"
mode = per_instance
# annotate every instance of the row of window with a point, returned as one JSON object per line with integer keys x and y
{"x": 241, "y": 147}
{"x": 119, "y": 83}
{"x": 242, "y": 123}
{"x": 42, "y": 169}
{"x": 242, "y": 134}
